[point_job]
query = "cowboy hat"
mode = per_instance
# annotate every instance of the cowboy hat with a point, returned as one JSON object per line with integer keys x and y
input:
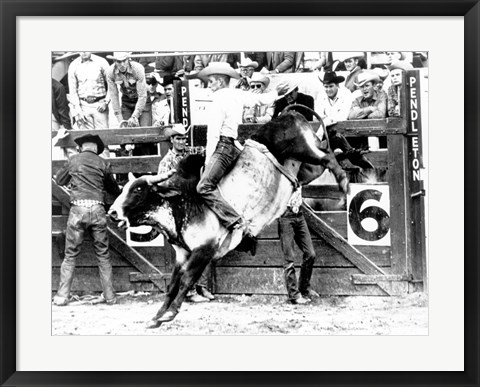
{"x": 401, "y": 65}
{"x": 168, "y": 80}
{"x": 344, "y": 55}
{"x": 175, "y": 130}
{"x": 367, "y": 76}
{"x": 331, "y": 77}
{"x": 247, "y": 62}
{"x": 285, "y": 87}
{"x": 258, "y": 77}
{"x": 57, "y": 55}
{"x": 221, "y": 68}
{"x": 95, "y": 138}
{"x": 119, "y": 55}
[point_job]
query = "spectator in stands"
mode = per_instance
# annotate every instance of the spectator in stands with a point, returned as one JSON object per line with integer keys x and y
{"x": 393, "y": 56}
{"x": 312, "y": 61}
{"x": 280, "y": 62}
{"x": 334, "y": 106}
{"x": 259, "y": 57}
{"x": 335, "y": 101}
{"x": 351, "y": 62}
{"x": 155, "y": 95}
{"x": 225, "y": 114}
{"x": 288, "y": 91}
{"x": 372, "y": 103}
{"x": 60, "y": 109}
{"x": 175, "y": 65}
{"x": 202, "y": 61}
{"x": 259, "y": 114}
{"x": 87, "y": 82}
{"x": 130, "y": 77}
{"x": 393, "y": 102}
{"x": 382, "y": 75}
{"x": 293, "y": 228}
{"x": 178, "y": 137}
{"x": 90, "y": 177}
{"x": 247, "y": 67}
{"x": 164, "y": 109}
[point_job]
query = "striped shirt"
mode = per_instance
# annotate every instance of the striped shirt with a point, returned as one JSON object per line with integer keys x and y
{"x": 87, "y": 78}
{"x": 171, "y": 160}
{"x": 132, "y": 85}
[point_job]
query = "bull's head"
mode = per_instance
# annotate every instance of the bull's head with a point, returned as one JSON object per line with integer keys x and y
{"x": 291, "y": 136}
{"x": 142, "y": 198}
{"x": 131, "y": 205}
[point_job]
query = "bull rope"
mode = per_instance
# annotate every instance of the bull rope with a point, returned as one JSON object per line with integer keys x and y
{"x": 263, "y": 149}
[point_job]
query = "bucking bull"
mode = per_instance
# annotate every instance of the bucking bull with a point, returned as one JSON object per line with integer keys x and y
{"x": 281, "y": 155}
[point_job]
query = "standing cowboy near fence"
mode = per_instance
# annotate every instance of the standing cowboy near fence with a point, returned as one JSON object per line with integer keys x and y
{"x": 89, "y": 176}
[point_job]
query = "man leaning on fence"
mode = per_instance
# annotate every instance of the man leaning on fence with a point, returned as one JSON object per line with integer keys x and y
{"x": 130, "y": 77}
{"x": 89, "y": 176}
{"x": 87, "y": 83}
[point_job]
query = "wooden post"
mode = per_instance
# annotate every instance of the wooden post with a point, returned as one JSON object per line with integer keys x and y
{"x": 397, "y": 154}
{"x": 414, "y": 182}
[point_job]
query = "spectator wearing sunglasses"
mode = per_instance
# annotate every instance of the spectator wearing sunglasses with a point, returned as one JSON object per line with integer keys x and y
{"x": 259, "y": 114}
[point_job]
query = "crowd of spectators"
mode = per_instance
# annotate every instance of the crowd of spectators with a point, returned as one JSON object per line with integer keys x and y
{"x": 122, "y": 89}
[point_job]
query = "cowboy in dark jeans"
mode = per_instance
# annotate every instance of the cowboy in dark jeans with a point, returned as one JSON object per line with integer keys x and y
{"x": 90, "y": 177}
{"x": 292, "y": 228}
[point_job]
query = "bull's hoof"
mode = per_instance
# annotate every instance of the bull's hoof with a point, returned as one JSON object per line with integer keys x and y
{"x": 152, "y": 324}
{"x": 168, "y": 316}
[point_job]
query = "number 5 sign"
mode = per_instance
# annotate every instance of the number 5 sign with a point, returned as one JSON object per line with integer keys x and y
{"x": 368, "y": 208}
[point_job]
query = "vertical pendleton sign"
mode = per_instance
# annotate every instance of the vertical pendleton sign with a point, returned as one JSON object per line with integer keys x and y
{"x": 415, "y": 187}
{"x": 181, "y": 103}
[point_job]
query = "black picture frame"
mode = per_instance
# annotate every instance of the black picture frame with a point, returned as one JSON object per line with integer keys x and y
{"x": 9, "y": 376}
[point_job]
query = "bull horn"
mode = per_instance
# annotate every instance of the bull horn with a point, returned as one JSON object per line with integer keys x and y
{"x": 158, "y": 178}
{"x": 291, "y": 107}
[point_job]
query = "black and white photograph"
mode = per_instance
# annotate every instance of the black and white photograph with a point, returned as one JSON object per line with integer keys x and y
{"x": 239, "y": 193}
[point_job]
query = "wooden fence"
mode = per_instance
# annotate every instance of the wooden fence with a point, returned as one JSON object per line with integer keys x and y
{"x": 340, "y": 269}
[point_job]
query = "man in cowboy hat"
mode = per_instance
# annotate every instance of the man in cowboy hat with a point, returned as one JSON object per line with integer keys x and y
{"x": 259, "y": 114}
{"x": 351, "y": 61}
{"x": 394, "y": 56}
{"x": 288, "y": 95}
{"x": 334, "y": 106}
{"x": 130, "y": 77}
{"x": 87, "y": 83}
{"x": 281, "y": 62}
{"x": 165, "y": 106}
{"x": 247, "y": 67}
{"x": 89, "y": 176}
{"x": 372, "y": 103}
{"x": 178, "y": 137}
{"x": 393, "y": 92}
{"x": 225, "y": 114}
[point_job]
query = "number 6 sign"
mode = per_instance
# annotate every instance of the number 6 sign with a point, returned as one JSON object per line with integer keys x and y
{"x": 368, "y": 209}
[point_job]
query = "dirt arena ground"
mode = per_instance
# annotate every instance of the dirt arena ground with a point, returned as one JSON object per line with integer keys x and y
{"x": 248, "y": 315}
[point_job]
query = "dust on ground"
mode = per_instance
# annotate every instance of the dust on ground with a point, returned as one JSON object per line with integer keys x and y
{"x": 248, "y": 315}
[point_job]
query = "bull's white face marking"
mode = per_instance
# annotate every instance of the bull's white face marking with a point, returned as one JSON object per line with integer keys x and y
{"x": 163, "y": 215}
{"x": 117, "y": 206}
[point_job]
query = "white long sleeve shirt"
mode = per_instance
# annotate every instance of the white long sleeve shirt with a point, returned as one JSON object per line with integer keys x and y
{"x": 226, "y": 113}
{"x": 337, "y": 109}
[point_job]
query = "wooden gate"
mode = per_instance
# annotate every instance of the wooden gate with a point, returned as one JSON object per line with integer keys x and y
{"x": 341, "y": 268}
